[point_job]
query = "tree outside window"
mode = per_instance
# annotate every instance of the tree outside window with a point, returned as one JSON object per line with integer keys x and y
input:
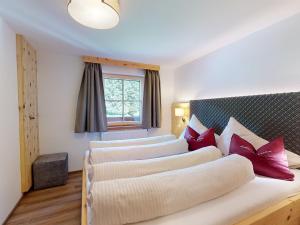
{"x": 123, "y": 99}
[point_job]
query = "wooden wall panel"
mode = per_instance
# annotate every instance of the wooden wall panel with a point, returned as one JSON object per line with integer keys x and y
{"x": 28, "y": 109}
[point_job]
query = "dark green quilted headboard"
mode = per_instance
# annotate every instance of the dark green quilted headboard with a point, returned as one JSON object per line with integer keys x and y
{"x": 268, "y": 116}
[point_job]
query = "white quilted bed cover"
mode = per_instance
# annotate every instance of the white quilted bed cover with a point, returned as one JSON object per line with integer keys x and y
{"x": 231, "y": 208}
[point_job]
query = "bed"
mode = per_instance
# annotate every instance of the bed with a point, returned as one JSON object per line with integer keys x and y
{"x": 263, "y": 200}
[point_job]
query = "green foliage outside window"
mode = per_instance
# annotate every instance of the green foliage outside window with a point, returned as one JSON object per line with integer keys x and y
{"x": 123, "y": 99}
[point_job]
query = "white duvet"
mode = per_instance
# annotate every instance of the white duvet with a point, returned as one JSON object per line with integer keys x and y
{"x": 137, "y": 168}
{"x": 123, "y": 201}
{"x": 249, "y": 199}
{"x": 126, "y": 153}
{"x": 131, "y": 142}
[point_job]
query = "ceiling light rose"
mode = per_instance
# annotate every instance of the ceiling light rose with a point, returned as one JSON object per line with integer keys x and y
{"x": 97, "y": 14}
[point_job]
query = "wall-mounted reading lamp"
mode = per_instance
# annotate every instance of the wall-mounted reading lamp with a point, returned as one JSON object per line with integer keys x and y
{"x": 179, "y": 112}
{"x": 180, "y": 117}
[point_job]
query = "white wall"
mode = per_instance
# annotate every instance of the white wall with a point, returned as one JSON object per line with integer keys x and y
{"x": 10, "y": 187}
{"x": 59, "y": 78}
{"x": 265, "y": 62}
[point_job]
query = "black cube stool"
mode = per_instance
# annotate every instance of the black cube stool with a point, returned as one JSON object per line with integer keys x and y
{"x": 50, "y": 170}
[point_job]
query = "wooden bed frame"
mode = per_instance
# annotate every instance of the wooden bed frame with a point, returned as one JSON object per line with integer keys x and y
{"x": 84, "y": 200}
{"x": 286, "y": 212}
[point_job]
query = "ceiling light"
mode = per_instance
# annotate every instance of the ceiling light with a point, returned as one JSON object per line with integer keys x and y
{"x": 97, "y": 14}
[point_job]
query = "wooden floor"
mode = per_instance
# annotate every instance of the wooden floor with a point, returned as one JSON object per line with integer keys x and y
{"x": 53, "y": 206}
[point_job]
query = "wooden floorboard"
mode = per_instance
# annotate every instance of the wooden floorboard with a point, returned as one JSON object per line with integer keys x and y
{"x": 53, "y": 206}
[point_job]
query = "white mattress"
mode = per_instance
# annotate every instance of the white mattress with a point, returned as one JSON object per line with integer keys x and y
{"x": 249, "y": 199}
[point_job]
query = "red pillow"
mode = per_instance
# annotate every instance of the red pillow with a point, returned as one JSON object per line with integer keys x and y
{"x": 196, "y": 140}
{"x": 269, "y": 160}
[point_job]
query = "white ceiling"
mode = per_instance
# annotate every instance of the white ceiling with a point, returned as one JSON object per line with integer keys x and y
{"x": 166, "y": 32}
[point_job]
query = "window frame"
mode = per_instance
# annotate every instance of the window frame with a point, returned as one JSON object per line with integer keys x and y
{"x": 122, "y": 125}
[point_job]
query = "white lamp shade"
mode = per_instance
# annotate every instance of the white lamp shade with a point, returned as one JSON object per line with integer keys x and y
{"x": 179, "y": 112}
{"x": 97, "y": 14}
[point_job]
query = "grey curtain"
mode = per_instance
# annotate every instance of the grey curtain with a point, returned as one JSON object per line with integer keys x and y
{"x": 152, "y": 100}
{"x": 91, "y": 110}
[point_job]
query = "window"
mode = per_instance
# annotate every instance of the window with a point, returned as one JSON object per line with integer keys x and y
{"x": 123, "y": 99}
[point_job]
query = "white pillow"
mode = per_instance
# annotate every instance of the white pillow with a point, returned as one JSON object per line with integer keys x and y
{"x": 196, "y": 125}
{"x": 234, "y": 127}
{"x": 293, "y": 159}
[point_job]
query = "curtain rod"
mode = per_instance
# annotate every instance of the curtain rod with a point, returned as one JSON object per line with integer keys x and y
{"x": 115, "y": 62}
